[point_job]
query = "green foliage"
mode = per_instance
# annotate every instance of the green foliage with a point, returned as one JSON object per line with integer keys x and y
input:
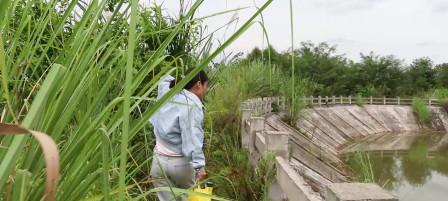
{"x": 360, "y": 101}
{"x": 441, "y": 74}
{"x": 362, "y": 167}
{"x": 373, "y": 75}
{"x": 420, "y": 77}
{"x": 64, "y": 74}
{"x": 421, "y": 110}
{"x": 442, "y": 95}
{"x": 228, "y": 161}
{"x": 265, "y": 174}
{"x": 302, "y": 89}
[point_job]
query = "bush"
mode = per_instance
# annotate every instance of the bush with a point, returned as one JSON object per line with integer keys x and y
{"x": 359, "y": 100}
{"x": 421, "y": 110}
{"x": 442, "y": 95}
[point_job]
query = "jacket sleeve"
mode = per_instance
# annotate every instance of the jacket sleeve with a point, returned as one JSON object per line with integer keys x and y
{"x": 164, "y": 86}
{"x": 193, "y": 135}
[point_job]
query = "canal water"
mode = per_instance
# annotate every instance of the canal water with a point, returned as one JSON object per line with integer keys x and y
{"x": 412, "y": 166}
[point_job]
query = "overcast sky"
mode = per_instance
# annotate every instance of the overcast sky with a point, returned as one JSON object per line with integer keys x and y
{"x": 406, "y": 28}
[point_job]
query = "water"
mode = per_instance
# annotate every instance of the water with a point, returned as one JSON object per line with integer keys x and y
{"x": 413, "y": 167}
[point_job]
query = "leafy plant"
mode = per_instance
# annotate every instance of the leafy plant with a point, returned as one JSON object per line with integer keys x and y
{"x": 421, "y": 110}
{"x": 71, "y": 70}
{"x": 360, "y": 101}
{"x": 442, "y": 95}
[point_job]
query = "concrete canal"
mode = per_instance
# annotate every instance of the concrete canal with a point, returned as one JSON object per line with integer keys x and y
{"x": 413, "y": 166}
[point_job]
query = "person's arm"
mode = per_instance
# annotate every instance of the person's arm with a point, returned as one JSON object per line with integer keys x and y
{"x": 164, "y": 86}
{"x": 193, "y": 136}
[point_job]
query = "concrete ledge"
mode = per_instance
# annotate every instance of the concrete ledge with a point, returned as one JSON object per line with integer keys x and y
{"x": 245, "y": 124}
{"x": 357, "y": 192}
{"x": 292, "y": 184}
{"x": 260, "y": 142}
{"x": 277, "y": 142}
{"x": 256, "y": 125}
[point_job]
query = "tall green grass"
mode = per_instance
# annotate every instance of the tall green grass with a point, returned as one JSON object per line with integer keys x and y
{"x": 229, "y": 162}
{"x": 293, "y": 109}
{"x": 359, "y": 100}
{"x": 361, "y": 166}
{"x": 421, "y": 110}
{"x": 90, "y": 83}
{"x": 442, "y": 95}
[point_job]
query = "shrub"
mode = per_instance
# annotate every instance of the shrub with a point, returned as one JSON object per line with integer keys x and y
{"x": 442, "y": 95}
{"x": 421, "y": 110}
{"x": 360, "y": 100}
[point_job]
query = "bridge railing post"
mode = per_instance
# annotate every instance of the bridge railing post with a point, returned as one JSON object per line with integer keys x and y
{"x": 398, "y": 100}
{"x": 245, "y": 116}
{"x": 429, "y": 102}
{"x": 341, "y": 99}
{"x": 371, "y": 100}
{"x": 319, "y": 101}
{"x": 256, "y": 125}
{"x": 384, "y": 100}
{"x": 333, "y": 101}
{"x": 349, "y": 100}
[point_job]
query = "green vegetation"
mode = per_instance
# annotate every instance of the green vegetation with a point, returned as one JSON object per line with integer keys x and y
{"x": 228, "y": 161}
{"x": 361, "y": 167}
{"x": 374, "y": 75}
{"x": 360, "y": 101}
{"x": 86, "y": 75}
{"x": 442, "y": 95}
{"x": 421, "y": 110}
{"x": 393, "y": 170}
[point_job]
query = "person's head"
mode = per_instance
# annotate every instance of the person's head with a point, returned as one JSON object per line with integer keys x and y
{"x": 197, "y": 85}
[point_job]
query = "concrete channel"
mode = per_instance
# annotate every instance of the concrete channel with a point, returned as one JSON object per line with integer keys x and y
{"x": 308, "y": 155}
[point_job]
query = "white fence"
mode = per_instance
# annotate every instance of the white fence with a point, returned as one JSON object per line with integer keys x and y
{"x": 349, "y": 100}
{"x": 262, "y": 106}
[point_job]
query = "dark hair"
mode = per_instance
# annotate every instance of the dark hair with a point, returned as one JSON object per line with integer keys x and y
{"x": 200, "y": 77}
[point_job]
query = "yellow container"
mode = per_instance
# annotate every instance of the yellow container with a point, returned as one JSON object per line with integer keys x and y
{"x": 205, "y": 190}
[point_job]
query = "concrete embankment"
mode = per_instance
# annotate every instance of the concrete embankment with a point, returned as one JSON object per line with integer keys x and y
{"x": 319, "y": 137}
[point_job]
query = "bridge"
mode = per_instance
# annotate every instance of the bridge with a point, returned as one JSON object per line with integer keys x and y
{"x": 309, "y": 165}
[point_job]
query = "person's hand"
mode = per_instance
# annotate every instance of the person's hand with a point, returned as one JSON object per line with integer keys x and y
{"x": 201, "y": 174}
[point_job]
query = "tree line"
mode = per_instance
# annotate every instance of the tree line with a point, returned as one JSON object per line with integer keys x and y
{"x": 373, "y": 75}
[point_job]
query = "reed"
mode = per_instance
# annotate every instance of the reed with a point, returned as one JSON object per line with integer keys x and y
{"x": 87, "y": 76}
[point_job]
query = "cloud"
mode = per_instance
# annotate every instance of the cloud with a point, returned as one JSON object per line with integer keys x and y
{"x": 440, "y": 6}
{"x": 344, "y": 6}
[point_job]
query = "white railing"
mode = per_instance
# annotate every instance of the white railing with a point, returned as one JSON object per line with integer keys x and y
{"x": 262, "y": 106}
{"x": 257, "y": 140}
{"x": 349, "y": 100}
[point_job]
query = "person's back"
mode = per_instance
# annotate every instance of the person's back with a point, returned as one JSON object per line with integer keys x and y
{"x": 179, "y": 136}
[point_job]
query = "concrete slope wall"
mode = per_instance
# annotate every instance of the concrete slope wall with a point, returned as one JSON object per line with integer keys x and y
{"x": 337, "y": 125}
{"x": 323, "y": 133}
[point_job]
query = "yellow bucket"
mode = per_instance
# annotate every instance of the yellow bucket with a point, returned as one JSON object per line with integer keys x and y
{"x": 208, "y": 189}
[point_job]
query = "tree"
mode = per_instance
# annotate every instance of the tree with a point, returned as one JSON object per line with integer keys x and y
{"x": 380, "y": 74}
{"x": 420, "y": 76}
{"x": 441, "y": 74}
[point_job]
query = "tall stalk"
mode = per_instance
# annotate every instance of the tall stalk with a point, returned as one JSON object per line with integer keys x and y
{"x": 67, "y": 80}
{"x": 127, "y": 101}
{"x": 293, "y": 101}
